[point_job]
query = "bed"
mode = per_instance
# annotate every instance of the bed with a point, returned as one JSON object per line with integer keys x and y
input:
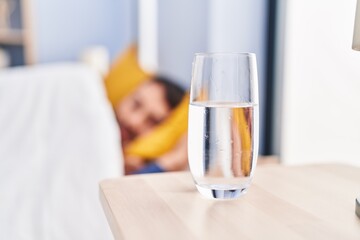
{"x": 58, "y": 139}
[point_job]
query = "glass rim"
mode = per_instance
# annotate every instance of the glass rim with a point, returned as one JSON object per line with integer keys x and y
{"x": 209, "y": 54}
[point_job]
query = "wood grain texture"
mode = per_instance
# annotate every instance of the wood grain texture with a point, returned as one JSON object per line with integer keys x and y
{"x": 303, "y": 202}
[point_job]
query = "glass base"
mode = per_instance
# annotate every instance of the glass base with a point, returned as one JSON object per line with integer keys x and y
{"x": 221, "y": 192}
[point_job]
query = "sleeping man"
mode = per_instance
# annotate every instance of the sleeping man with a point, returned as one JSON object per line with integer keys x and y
{"x": 142, "y": 110}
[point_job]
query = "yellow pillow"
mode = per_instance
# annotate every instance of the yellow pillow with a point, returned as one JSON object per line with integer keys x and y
{"x": 124, "y": 76}
{"x": 164, "y": 137}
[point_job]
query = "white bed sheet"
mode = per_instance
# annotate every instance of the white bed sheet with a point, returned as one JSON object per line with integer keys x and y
{"x": 58, "y": 139}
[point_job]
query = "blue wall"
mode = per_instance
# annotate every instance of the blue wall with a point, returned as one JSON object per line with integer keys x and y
{"x": 63, "y": 28}
{"x": 241, "y": 26}
{"x": 183, "y": 31}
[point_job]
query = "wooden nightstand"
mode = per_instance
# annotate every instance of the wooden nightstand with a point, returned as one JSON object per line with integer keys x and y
{"x": 302, "y": 202}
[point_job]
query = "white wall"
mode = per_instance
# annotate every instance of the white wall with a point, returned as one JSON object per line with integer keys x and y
{"x": 148, "y": 43}
{"x": 321, "y": 84}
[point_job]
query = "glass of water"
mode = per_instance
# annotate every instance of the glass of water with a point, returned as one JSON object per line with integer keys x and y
{"x": 223, "y": 131}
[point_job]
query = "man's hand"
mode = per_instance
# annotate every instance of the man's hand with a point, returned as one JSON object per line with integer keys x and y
{"x": 175, "y": 159}
{"x": 133, "y": 163}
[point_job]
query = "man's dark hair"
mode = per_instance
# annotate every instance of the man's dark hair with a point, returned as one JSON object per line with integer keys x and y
{"x": 173, "y": 92}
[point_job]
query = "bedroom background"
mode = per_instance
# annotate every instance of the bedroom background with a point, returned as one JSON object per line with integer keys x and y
{"x": 43, "y": 42}
{"x": 59, "y": 137}
{"x": 63, "y": 30}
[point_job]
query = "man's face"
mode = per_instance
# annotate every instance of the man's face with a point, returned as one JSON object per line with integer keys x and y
{"x": 140, "y": 111}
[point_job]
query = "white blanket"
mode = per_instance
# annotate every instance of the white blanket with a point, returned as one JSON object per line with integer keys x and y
{"x": 58, "y": 139}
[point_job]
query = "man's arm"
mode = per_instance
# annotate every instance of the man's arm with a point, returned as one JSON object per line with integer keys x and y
{"x": 174, "y": 160}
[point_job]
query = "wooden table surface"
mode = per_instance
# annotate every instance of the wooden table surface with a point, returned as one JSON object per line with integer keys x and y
{"x": 302, "y": 202}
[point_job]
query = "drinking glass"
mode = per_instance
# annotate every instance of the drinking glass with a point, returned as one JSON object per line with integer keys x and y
{"x": 223, "y": 131}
